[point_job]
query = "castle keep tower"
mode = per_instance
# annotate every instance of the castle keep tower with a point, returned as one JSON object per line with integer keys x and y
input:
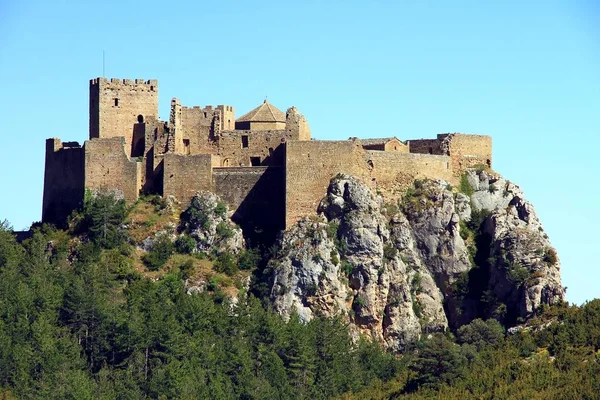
{"x": 117, "y": 105}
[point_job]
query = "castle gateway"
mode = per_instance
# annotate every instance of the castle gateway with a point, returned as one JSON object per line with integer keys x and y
{"x": 264, "y": 165}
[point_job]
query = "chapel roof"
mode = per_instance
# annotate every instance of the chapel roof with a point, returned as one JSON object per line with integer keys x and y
{"x": 266, "y": 112}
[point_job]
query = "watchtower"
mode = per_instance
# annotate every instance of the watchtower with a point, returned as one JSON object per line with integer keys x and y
{"x": 117, "y": 105}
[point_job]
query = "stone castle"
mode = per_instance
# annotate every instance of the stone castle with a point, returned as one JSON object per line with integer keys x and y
{"x": 264, "y": 165}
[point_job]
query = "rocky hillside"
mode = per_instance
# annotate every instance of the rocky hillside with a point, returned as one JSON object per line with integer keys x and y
{"x": 438, "y": 259}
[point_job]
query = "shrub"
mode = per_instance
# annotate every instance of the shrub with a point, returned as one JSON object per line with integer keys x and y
{"x": 332, "y": 229}
{"x": 162, "y": 249}
{"x": 389, "y": 251}
{"x": 347, "y": 267}
{"x": 220, "y": 209}
{"x": 477, "y": 219}
{"x": 226, "y": 264}
{"x": 550, "y": 256}
{"x": 185, "y": 244}
{"x": 417, "y": 308}
{"x": 481, "y": 333}
{"x": 360, "y": 301}
{"x": 335, "y": 260}
{"x": 464, "y": 231}
{"x": 464, "y": 186}
{"x": 186, "y": 269}
{"x": 517, "y": 273}
{"x": 196, "y": 215}
{"x": 415, "y": 283}
{"x": 224, "y": 231}
{"x": 248, "y": 259}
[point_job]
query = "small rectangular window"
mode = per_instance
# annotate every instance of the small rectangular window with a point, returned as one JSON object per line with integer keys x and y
{"x": 186, "y": 146}
{"x": 244, "y": 141}
{"x": 255, "y": 161}
{"x": 116, "y": 102}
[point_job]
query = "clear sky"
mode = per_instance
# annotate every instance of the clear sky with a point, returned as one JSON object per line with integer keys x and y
{"x": 525, "y": 72}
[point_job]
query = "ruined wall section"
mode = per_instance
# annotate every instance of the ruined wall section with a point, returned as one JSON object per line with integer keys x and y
{"x": 107, "y": 167}
{"x": 116, "y": 105}
{"x": 197, "y": 130}
{"x": 63, "y": 180}
{"x": 297, "y": 124}
{"x": 227, "y": 118}
{"x": 392, "y": 173}
{"x": 184, "y": 175}
{"x": 310, "y": 165}
{"x": 467, "y": 150}
{"x": 425, "y": 146}
{"x": 237, "y": 148}
{"x": 256, "y": 195}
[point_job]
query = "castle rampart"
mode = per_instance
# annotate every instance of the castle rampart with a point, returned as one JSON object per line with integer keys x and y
{"x": 63, "y": 180}
{"x": 256, "y": 195}
{"x": 107, "y": 167}
{"x": 265, "y": 165}
{"x": 184, "y": 175}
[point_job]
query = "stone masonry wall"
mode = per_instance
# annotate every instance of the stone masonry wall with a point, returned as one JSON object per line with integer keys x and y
{"x": 310, "y": 165}
{"x": 184, "y": 175}
{"x": 107, "y": 167}
{"x": 256, "y": 195}
{"x": 116, "y": 104}
{"x": 391, "y": 173}
{"x": 262, "y": 144}
{"x": 425, "y": 146}
{"x": 63, "y": 180}
{"x": 469, "y": 150}
{"x": 196, "y": 130}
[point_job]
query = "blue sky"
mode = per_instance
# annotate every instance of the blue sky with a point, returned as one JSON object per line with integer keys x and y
{"x": 525, "y": 72}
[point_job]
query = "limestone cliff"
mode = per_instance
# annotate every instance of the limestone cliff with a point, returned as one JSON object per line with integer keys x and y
{"x": 438, "y": 259}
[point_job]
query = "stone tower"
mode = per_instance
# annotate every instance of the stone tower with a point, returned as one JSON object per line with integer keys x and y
{"x": 118, "y": 105}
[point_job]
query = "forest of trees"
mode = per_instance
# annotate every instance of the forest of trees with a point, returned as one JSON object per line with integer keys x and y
{"x": 77, "y": 321}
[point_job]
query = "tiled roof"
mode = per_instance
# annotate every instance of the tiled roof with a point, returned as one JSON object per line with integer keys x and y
{"x": 266, "y": 112}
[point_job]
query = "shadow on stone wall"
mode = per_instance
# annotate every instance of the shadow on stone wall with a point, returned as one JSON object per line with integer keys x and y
{"x": 261, "y": 213}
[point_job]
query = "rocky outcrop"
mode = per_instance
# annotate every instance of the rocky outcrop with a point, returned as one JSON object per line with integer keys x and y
{"x": 524, "y": 267}
{"x": 438, "y": 259}
{"x": 207, "y": 220}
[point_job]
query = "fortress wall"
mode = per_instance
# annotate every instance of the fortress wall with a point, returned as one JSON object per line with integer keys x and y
{"x": 310, "y": 165}
{"x": 115, "y": 105}
{"x": 63, "y": 180}
{"x": 184, "y": 175}
{"x": 196, "y": 124}
{"x": 470, "y": 150}
{"x": 425, "y": 146}
{"x": 108, "y": 167}
{"x": 262, "y": 144}
{"x": 393, "y": 172}
{"x": 255, "y": 194}
{"x": 296, "y": 123}
{"x": 396, "y": 145}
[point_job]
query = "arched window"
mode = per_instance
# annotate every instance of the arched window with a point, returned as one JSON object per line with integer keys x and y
{"x": 140, "y": 119}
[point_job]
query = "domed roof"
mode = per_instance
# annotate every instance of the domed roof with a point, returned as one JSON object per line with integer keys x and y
{"x": 266, "y": 112}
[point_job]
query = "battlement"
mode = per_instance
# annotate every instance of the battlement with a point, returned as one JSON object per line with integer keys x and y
{"x": 123, "y": 82}
{"x": 54, "y": 144}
